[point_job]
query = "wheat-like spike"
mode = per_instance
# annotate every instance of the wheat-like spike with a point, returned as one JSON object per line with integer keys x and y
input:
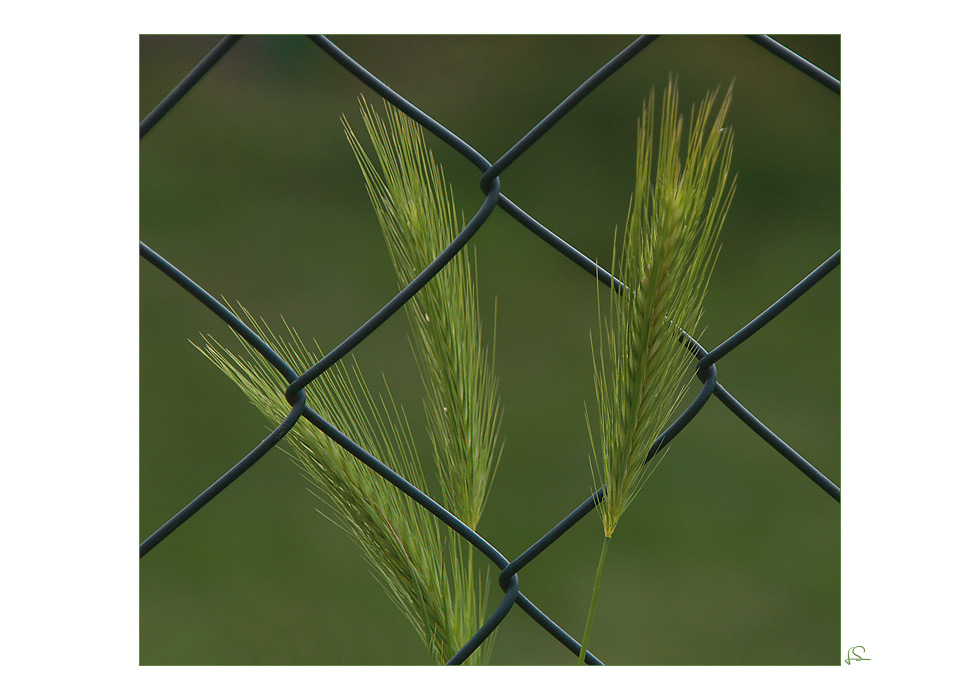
{"x": 399, "y": 540}
{"x": 665, "y": 258}
{"x": 668, "y": 249}
{"x": 431, "y": 580}
{"x": 418, "y": 219}
{"x": 417, "y": 214}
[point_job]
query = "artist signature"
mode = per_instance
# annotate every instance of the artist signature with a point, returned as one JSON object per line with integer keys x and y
{"x": 853, "y": 655}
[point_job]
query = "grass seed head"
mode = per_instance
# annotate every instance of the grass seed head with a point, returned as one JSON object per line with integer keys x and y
{"x": 665, "y": 257}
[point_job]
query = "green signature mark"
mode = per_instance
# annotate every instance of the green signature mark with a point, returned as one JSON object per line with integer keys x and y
{"x": 853, "y": 655}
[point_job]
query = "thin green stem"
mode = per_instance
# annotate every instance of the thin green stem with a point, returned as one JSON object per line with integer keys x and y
{"x": 595, "y": 600}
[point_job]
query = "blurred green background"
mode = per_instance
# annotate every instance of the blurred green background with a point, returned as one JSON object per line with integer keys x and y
{"x": 729, "y": 555}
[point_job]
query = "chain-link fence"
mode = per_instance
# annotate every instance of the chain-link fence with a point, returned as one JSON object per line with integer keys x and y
{"x": 490, "y": 184}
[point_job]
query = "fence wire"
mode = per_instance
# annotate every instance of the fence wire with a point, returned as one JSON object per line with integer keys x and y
{"x": 707, "y": 371}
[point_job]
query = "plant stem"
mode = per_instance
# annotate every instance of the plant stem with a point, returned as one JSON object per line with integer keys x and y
{"x": 595, "y": 600}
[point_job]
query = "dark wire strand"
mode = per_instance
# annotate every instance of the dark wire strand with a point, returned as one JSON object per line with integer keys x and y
{"x": 566, "y": 105}
{"x": 797, "y": 61}
{"x": 777, "y": 443}
{"x": 189, "y": 81}
{"x": 777, "y": 308}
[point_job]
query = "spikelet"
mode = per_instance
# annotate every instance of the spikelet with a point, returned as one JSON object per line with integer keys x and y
{"x": 418, "y": 219}
{"x": 665, "y": 258}
{"x": 429, "y": 576}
